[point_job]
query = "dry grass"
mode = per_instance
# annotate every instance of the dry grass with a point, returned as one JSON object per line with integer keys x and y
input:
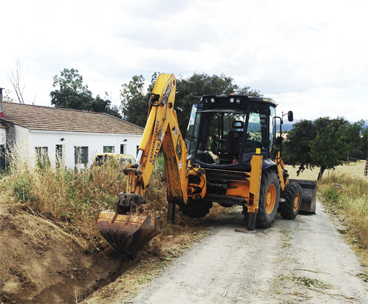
{"x": 70, "y": 199}
{"x": 350, "y": 205}
{"x": 48, "y": 205}
{"x": 353, "y": 169}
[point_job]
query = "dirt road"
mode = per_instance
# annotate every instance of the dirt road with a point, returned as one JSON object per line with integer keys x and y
{"x": 305, "y": 260}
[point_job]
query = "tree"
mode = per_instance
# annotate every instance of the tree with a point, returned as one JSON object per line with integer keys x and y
{"x": 298, "y": 145}
{"x": 16, "y": 78}
{"x": 6, "y": 96}
{"x": 203, "y": 84}
{"x": 72, "y": 94}
{"x": 329, "y": 149}
{"x": 135, "y": 102}
{"x": 324, "y": 143}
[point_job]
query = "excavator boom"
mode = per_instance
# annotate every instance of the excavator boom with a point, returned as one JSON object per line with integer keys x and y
{"x": 128, "y": 229}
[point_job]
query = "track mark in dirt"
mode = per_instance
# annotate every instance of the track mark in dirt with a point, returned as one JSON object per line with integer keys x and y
{"x": 302, "y": 260}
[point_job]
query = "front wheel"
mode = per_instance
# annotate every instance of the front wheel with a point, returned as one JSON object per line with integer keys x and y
{"x": 268, "y": 199}
{"x": 292, "y": 196}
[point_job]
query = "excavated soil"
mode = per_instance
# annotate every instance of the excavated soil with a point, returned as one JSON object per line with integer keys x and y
{"x": 49, "y": 268}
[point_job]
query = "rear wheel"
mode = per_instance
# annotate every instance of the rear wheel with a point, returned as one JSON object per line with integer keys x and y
{"x": 292, "y": 196}
{"x": 195, "y": 209}
{"x": 269, "y": 199}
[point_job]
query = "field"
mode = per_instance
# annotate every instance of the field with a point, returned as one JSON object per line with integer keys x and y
{"x": 353, "y": 169}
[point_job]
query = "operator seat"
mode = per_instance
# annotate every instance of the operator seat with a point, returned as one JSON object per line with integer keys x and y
{"x": 232, "y": 141}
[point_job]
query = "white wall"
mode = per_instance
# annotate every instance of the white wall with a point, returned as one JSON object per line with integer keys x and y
{"x": 94, "y": 141}
{"x": 2, "y": 136}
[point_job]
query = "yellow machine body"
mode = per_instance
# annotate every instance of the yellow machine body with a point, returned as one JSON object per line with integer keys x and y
{"x": 247, "y": 177}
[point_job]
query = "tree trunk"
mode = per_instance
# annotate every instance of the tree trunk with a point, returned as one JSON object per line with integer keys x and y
{"x": 321, "y": 170}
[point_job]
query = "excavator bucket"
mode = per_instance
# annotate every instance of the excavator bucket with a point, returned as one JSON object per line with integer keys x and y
{"x": 127, "y": 233}
{"x": 309, "y": 195}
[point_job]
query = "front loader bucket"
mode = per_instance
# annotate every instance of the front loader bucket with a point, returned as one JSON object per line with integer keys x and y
{"x": 127, "y": 233}
{"x": 309, "y": 195}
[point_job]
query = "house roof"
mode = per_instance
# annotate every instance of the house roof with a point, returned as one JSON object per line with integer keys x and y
{"x": 60, "y": 119}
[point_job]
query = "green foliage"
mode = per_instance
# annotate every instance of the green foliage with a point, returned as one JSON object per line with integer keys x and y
{"x": 330, "y": 148}
{"x": 332, "y": 195}
{"x": 203, "y": 84}
{"x": 160, "y": 167}
{"x": 324, "y": 143}
{"x": 72, "y": 94}
{"x": 135, "y": 101}
{"x": 22, "y": 188}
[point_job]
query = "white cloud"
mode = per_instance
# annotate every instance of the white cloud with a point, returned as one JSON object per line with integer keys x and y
{"x": 308, "y": 53}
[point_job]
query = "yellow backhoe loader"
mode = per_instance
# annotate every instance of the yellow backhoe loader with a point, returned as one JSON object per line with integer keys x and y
{"x": 233, "y": 158}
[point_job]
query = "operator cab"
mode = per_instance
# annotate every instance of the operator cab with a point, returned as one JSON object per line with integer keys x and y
{"x": 225, "y": 131}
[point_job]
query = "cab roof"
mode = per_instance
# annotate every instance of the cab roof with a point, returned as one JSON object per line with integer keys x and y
{"x": 234, "y": 99}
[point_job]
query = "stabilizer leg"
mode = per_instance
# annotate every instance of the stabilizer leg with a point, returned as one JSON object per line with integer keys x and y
{"x": 251, "y": 226}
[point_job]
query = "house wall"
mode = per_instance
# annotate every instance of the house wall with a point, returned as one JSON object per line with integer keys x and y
{"x": 94, "y": 141}
{"x": 2, "y": 136}
{"x": 69, "y": 140}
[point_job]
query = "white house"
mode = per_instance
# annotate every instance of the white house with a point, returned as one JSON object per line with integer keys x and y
{"x": 73, "y": 136}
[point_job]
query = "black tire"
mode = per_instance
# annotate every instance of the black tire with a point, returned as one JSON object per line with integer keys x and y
{"x": 268, "y": 199}
{"x": 292, "y": 195}
{"x": 195, "y": 209}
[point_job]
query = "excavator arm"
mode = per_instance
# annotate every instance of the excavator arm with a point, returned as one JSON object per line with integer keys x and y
{"x": 127, "y": 229}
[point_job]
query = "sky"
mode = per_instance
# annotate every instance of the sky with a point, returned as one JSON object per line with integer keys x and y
{"x": 310, "y": 56}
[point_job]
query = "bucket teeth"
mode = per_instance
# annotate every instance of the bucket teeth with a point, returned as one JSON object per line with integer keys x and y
{"x": 127, "y": 233}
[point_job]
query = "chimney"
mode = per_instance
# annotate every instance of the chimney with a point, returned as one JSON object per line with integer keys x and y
{"x": 1, "y": 104}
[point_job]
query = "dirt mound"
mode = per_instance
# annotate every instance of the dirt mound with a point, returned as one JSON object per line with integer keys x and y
{"x": 41, "y": 263}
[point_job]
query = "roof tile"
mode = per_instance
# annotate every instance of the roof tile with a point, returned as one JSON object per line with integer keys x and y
{"x": 69, "y": 120}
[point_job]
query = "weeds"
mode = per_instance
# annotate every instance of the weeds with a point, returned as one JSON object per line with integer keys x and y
{"x": 305, "y": 281}
{"x": 67, "y": 196}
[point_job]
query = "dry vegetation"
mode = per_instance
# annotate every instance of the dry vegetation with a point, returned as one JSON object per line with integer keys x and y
{"x": 48, "y": 205}
{"x": 349, "y": 204}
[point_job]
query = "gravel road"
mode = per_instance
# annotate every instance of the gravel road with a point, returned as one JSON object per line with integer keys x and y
{"x": 305, "y": 260}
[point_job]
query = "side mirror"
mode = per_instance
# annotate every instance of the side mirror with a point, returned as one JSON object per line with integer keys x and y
{"x": 290, "y": 116}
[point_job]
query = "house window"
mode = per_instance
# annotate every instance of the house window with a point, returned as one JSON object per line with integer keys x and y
{"x": 137, "y": 151}
{"x": 42, "y": 157}
{"x": 122, "y": 149}
{"x": 2, "y": 157}
{"x": 81, "y": 155}
{"x": 59, "y": 156}
{"x": 109, "y": 149}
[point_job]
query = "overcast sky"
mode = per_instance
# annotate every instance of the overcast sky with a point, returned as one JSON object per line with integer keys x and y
{"x": 310, "y": 56}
